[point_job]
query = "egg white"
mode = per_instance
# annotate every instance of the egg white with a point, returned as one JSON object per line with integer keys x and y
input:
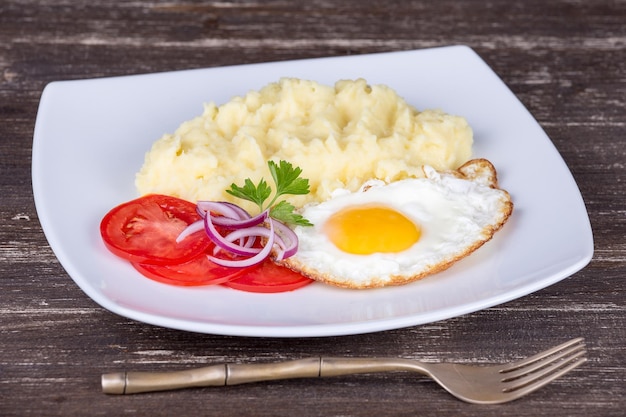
{"x": 455, "y": 215}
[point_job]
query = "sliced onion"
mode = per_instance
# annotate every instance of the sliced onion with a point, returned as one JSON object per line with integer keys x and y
{"x": 223, "y": 243}
{"x": 240, "y": 223}
{"x": 250, "y": 234}
{"x": 253, "y": 260}
{"x": 223, "y": 208}
{"x": 191, "y": 229}
{"x": 243, "y": 214}
{"x": 289, "y": 238}
{"x": 245, "y": 230}
{"x": 230, "y": 215}
{"x": 254, "y": 232}
{"x": 226, "y": 222}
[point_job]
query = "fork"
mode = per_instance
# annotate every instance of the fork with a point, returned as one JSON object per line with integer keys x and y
{"x": 472, "y": 383}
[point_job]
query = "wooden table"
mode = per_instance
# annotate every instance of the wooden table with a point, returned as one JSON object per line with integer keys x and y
{"x": 565, "y": 60}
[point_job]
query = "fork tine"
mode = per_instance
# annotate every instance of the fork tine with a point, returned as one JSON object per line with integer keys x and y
{"x": 550, "y": 360}
{"x": 520, "y": 391}
{"x": 546, "y": 372}
{"x": 540, "y": 356}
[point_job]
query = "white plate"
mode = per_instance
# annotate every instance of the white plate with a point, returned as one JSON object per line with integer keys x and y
{"x": 91, "y": 137}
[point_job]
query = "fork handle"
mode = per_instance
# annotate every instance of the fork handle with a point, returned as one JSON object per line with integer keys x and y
{"x": 234, "y": 374}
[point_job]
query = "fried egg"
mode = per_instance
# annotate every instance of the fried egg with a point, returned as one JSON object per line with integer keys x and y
{"x": 395, "y": 233}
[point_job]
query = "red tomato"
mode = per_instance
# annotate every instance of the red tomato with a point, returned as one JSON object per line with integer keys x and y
{"x": 268, "y": 277}
{"x": 144, "y": 230}
{"x": 198, "y": 271}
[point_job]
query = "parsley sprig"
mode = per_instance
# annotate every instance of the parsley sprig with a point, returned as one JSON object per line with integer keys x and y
{"x": 287, "y": 181}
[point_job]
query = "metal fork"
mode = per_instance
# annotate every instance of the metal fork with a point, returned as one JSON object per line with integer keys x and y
{"x": 475, "y": 384}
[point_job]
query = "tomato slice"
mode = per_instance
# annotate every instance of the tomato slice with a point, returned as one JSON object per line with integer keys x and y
{"x": 144, "y": 230}
{"x": 198, "y": 271}
{"x": 268, "y": 277}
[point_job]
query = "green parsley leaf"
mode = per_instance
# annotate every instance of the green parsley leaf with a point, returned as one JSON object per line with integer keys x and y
{"x": 284, "y": 212}
{"x": 287, "y": 180}
{"x": 257, "y": 194}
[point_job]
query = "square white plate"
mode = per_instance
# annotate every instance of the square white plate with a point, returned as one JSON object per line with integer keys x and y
{"x": 91, "y": 137}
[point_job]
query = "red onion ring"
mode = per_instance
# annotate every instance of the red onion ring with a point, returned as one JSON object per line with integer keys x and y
{"x": 243, "y": 214}
{"x": 245, "y": 229}
{"x": 194, "y": 227}
{"x": 240, "y": 224}
{"x": 253, "y": 260}
{"x": 288, "y": 236}
{"x": 221, "y": 207}
{"x": 223, "y": 243}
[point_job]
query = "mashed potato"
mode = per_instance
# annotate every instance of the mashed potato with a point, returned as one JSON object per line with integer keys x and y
{"x": 340, "y": 136}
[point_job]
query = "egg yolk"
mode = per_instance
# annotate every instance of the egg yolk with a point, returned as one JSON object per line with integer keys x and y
{"x": 369, "y": 229}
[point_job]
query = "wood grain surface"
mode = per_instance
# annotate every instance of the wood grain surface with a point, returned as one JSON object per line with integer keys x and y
{"x": 564, "y": 59}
